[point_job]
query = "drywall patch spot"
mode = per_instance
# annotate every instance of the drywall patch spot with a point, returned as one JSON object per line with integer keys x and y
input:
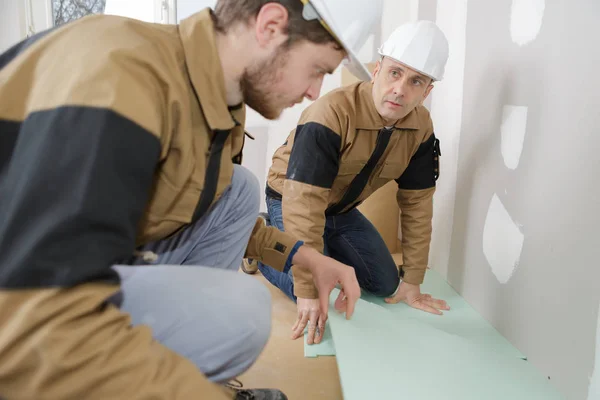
{"x": 513, "y": 128}
{"x": 594, "y": 390}
{"x": 526, "y": 20}
{"x": 502, "y": 241}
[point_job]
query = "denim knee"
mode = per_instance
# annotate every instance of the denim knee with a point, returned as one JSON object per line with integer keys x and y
{"x": 246, "y": 190}
{"x": 386, "y": 287}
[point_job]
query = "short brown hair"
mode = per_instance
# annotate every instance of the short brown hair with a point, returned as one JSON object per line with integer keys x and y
{"x": 229, "y": 12}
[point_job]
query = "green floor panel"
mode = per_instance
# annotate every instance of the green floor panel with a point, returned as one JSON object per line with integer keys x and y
{"x": 382, "y": 357}
{"x": 462, "y": 320}
{"x": 325, "y": 348}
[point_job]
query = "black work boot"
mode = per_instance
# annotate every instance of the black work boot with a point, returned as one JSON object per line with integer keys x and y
{"x": 254, "y": 394}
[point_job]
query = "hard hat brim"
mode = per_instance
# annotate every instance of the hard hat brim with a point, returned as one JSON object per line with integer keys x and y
{"x": 357, "y": 68}
{"x": 434, "y": 79}
{"x": 351, "y": 61}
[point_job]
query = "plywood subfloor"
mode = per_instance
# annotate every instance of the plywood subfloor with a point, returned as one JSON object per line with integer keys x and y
{"x": 282, "y": 364}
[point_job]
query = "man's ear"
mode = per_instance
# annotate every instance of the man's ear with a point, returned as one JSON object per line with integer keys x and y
{"x": 376, "y": 70}
{"x": 271, "y": 24}
{"x": 427, "y": 91}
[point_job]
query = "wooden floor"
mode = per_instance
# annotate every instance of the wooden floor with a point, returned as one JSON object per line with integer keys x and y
{"x": 282, "y": 364}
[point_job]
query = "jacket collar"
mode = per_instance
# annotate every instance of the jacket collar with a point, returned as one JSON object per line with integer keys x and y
{"x": 204, "y": 68}
{"x": 367, "y": 116}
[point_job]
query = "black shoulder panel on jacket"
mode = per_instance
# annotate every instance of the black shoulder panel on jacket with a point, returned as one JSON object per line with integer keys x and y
{"x": 73, "y": 189}
{"x": 314, "y": 159}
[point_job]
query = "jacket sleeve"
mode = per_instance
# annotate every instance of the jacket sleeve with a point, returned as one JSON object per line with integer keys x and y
{"x": 74, "y": 188}
{"x": 416, "y": 187}
{"x": 312, "y": 168}
{"x": 271, "y": 246}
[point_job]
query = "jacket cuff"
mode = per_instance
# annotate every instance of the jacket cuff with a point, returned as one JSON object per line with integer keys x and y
{"x": 413, "y": 276}
{"x": 306, "y": 291}
{"x": 303, "y": 283}
{"x": 278, "y": 252}
{"x": 288, "y": 263}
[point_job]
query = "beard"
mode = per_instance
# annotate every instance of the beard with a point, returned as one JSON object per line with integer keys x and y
{"x": 257, "y": 82}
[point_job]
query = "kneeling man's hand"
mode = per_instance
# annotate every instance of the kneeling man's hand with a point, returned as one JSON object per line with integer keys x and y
{"x": 326, "y": 273}
{"x": 309, "y": 312}
{"x": 411, "y": 295}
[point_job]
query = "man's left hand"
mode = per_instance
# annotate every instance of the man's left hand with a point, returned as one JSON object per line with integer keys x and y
{"x": 411, "y": 295}
{"x": 309, "y": 314}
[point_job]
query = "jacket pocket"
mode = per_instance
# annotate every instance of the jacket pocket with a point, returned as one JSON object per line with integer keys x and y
{"x": 173, "y": 203}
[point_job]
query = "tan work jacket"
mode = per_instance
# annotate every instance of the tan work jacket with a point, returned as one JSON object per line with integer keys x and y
{"x": 113, "y": 133}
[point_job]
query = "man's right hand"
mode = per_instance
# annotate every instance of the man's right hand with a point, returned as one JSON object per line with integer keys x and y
{"x": 327, "y": 273}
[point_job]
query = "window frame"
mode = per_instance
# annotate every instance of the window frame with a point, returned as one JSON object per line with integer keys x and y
{"x": 167, "y": 12}
{"x": 38, "y": 14}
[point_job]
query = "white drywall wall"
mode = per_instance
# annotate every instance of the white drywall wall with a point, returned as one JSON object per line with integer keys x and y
{"x": 594, "y": 389}
{"x": 515, "y": 229}
{"x": 446, "y": 112}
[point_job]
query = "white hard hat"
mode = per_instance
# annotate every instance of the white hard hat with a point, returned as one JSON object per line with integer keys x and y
{"x": 420, "y": 45}
{"x": 350, "y": 22}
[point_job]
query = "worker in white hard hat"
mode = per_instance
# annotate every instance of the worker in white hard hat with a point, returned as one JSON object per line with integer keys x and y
{"x": 125, "y": 212}
{"x": 346, "y": 145}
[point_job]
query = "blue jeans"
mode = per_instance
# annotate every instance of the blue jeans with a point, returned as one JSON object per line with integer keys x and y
{"x": 351, "y": 239}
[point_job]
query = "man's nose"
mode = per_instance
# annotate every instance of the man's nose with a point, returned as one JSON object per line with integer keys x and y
{"x": 314, "y": 90}
{"x": 399, "y": 87}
